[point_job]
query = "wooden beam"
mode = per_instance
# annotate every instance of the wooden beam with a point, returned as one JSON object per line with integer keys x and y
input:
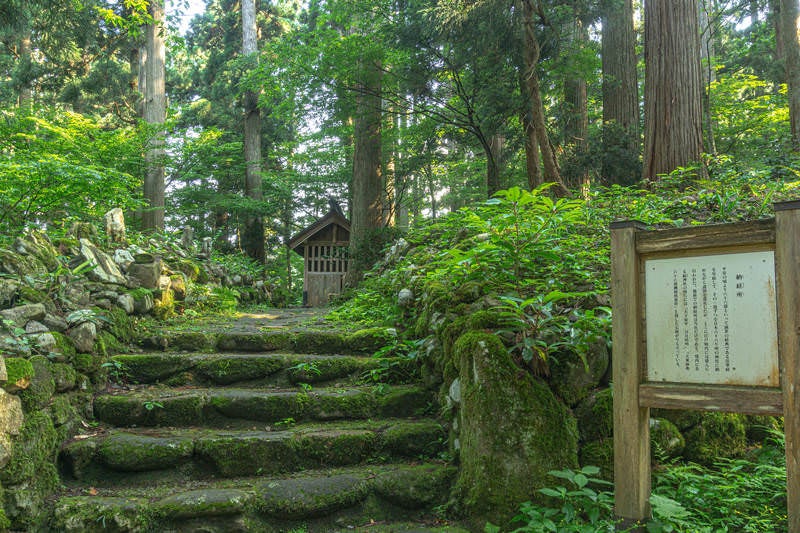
{"x": 749, "y": 400}
{"x": 787, "y": 272}
{"x": 631, "y": 420}
{"x": 756, "y": 233}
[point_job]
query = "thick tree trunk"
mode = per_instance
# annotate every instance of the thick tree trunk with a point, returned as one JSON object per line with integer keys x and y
{"x": 673, "y": 86}
{"x": 620, "y": 93}
{"x": 155, "y": 107}
{"x": 791, "y": 52}
{"x": 709, "y": 74}
{"x": 533, "y": 95}
{"x": 532, "y": 169}
{"x": 576, "y": 125}
{"x": 253, "y": 234}
{"x": 366, "y": 190}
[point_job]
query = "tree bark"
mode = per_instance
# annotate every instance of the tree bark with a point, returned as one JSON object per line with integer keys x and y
{"x": 533, "y": 96}
{"x": 621, "y": 132}
{"x": 709, "y": 74}
{"x": 576, "y": 125}
{"x": 673, "y": 86}
{"x": 494, "y": 162}
{"x": 253, "y": 235}
{"x": 791, "y": 52}
{"x": 26, "y": 60}
{"x": 155, "y": 107}
{"x": 366, "y": 189}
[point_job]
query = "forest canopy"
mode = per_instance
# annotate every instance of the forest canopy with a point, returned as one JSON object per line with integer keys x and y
{"x": 245, "y": 125}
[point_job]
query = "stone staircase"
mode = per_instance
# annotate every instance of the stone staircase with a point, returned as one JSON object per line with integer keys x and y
{"x": 242, "y": 430}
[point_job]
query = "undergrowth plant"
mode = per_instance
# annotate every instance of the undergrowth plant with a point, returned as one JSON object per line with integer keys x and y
{"x": 735, "y": 495}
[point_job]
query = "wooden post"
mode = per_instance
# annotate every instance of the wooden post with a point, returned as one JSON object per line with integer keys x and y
{"x": 631, "y": 422}
{"x": 787, "y": 271}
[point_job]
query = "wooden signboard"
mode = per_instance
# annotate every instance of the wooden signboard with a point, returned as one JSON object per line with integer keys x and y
{"x": 704, "y": 318}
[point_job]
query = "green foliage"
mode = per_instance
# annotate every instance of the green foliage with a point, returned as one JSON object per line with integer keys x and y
{"x": 734, "y": 495}
{"x": 57, "y": 166}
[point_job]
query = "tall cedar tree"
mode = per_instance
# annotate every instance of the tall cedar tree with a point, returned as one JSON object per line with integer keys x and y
{"x": 620, "y": 93}
{"x": 673, "y": 86}
{"x": 253, "y": 238}
{"x": 791, "y": 53}
{"x": 155, "y": 106}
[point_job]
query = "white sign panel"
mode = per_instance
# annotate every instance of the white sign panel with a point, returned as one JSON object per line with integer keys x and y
{"x": 712, "y": 319}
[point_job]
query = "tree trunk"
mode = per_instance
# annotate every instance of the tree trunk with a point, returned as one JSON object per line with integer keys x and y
{"x": 26, "y": 61}
{"x": 576, "y": 125}
{"x": 366, "y": 190}
{"x": 155, "y": 107}
{"x": 494, "y": 162}
{"x": 709, "y": 74}
{"x": 533, "y": 95}
{"x": 673, "y": 86}
{"x": 253, "y": 235}
{"x": 791, "y": 52}
{"x": 620, "y": 94}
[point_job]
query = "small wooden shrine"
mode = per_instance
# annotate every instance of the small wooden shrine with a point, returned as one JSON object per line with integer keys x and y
{"x": 323, "y": 246}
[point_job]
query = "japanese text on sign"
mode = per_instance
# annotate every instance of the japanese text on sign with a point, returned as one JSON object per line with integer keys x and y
{"x": 712, "y": 319}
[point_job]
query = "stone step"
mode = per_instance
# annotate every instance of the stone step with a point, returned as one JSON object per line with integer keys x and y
{"x": 135, "y": 457}
{"x": 281, "y": 369}
{"x": 355, "y": 499}
{"x": 229, "y": 407}
{"x": 365, "y": 341}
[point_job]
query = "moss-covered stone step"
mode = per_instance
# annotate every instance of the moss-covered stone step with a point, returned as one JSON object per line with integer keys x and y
{"x": 366, "y": 341}
{"x": 342, "y": 500}
{"x": 285, "y": 369}
{"x": 131, "y": 457}
{"x": 230, "y": 406}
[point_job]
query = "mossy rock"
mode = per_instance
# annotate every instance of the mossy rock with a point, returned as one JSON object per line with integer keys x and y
{"x": 320, "y": 342}
{"x": 20, "y": 265}
{"x": 599, "y": 453}
{"x": 415, "y": 439}
{"x": 717, "y": 435}
{"x": 203, "y": 503}
{"x": 126, "y": 452}
{"x": 684, "y": 420}
{"x": 34, "y": 296}
{"x": 64, "y": 376}
{"x": 512, "y": 431}
{"x": 402, "y": 402}
{"x": 153, "y": 367}
{"x": 415, "y": 487}
{"x": 119, "y": 324}
{"x": 325, "y": 369}
{"x": 243, "y": 455}
{"x": 42, "y": 386}
{"x": 760, "y": 429}
{"x": 224, "y": 371}
{"x": 573, "y": 376}
{"x": 86, "y": 363}
{"x": 164, "y": 305}
{"x": 106, "y": 344}
{"x": 305, "y": 498}
{"x": 666, "y": 442}
{"x": 64, "y": 345}
{"x": 595, "y": 415}
{"x": 33, "y": 449}
{"x": 20, "y": 372}
{"x": 339, "y": 448}
{"x": 188, "y": 268}
{"x": 255, "y": 342}
{"x": 95, "y": 514}
{"x": 193, "y": 341}
{"x": 27, "y": 504}
{"x": 469, "y": 292}
{"x": 369, "y": 341}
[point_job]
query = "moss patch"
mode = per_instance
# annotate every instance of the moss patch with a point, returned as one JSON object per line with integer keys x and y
{"x": 127, "y": 452}
{"x": 513, "y": 431}
{"x": 20, "y": 371}
{"x": 42, "y": 386}
{"x": 717, "y": 435}
{"x": 226, "y": 370}
{"x": 415, "y": 487}
{"x": 310, "y": 497}
{"x": 34, "y": 448}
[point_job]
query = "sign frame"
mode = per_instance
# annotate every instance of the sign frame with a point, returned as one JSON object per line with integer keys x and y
{"x": 632, "y": 244}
